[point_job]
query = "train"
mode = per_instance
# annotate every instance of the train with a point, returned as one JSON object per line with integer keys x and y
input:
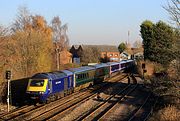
{"x": 50, "y": 86}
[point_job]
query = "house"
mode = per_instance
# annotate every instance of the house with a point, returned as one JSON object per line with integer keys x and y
{"x": 132, "y": 53}
{"x": 61, "y": 56}
{"x": 76, "y": 51}
{"x": 65, "y": 57}
{"x": 138, "y": 53}
{"x": 105, "y": 51}
{"x": 125, "y": 55}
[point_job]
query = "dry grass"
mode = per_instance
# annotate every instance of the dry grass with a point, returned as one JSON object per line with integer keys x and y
{"x": 3, "y": 87}
{"x": 169, "y": 113}
{"x": 3, "y": 108}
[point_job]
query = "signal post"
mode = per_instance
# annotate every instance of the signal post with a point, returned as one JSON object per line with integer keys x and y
{"x": 8, "y": 77}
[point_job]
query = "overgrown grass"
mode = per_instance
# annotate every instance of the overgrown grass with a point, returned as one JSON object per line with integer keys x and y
{"x": 169, "y": 113}
{"x": 163, "y": 82}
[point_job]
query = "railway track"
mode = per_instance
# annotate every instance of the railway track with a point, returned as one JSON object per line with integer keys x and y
{"x": 34, "y": 112}
{"x": 59, "y": 112}
{"x": 63, "y": 113}
{"x": 106, "y": 114}
{"x": 103, "y": 108}
{"x": 143, "y": 112}
{"x": 18, "y": 112}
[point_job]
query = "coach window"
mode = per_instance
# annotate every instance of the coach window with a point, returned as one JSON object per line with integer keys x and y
{"x": 79, "y": 76}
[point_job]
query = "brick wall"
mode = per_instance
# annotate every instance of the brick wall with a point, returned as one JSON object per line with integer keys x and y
{"x": 65, "y": 57}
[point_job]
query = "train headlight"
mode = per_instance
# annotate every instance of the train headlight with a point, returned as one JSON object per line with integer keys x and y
{"x": 28, "y": 92}
{"x": 41, "y": 92}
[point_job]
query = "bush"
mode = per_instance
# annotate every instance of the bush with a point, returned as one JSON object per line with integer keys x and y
{"x": 169, "y": 113}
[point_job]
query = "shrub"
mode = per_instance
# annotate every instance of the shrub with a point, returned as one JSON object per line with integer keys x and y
{"x": 169, "y": 113}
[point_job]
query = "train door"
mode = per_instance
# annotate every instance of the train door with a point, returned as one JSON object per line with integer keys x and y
{"x": 65, "y": 83}
{"x": 65, "y": 86}
{"x": 50, "y": 86}
{"x": 70, "y": 82}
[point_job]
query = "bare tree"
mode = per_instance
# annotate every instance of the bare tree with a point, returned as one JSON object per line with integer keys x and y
{"x": 23, "y": 19}
{"x": 3, "y": 31}
{"x": 60, "y": 33}
{"x": 59, "y": 37}
{"x": 173, "y": 8}
{"x": 138, "y": 44}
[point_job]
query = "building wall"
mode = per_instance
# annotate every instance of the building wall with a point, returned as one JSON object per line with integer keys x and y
{"x": 65, "y": 57}
{"x": 113, "y": 56}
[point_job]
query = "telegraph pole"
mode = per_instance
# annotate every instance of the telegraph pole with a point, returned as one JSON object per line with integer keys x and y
{"x": 8, "y": 77}
{"x": 57, "y": 56}
{"x": 128, "y": 37}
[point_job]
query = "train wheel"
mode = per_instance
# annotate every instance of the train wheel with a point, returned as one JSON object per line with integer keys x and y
{"x": 48, "y": 100}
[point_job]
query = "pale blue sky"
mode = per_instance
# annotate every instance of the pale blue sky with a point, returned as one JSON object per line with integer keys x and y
{"x": 92, "y": 21}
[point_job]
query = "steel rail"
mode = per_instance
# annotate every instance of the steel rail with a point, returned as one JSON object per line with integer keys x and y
{"x": 61, "y": 114}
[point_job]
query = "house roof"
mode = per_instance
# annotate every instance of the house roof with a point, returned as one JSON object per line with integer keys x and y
{"x": 137, "y": 50}
{"x": 76, "y": 46}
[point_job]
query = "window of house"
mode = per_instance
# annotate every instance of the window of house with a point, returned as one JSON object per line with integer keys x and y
{"x": 110, "y": 55}
{"x": 116, "y": 55}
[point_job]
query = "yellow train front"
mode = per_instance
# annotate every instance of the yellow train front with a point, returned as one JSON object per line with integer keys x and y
{"x": 37, "y": 89}
{"x": 46, "y": 87}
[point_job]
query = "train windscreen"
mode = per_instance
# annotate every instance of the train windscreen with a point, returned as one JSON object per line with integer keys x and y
{"x": 37, "y": 83}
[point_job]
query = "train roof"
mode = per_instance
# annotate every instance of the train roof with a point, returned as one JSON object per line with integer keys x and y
{"x": 49, "y": 75}
{"x": 67, "y": 72}
{"x": 100, "y": 65}
{"x": 81, "y": 69}
{"x": 113, "y": 63}
{"x": 129, "y": 60}
{"x": 124, "y": 61}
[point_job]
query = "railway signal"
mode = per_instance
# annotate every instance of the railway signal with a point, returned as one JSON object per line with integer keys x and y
{"x": 8, "y": 74}
{"x": 8, "y": 77}
{"x": 144, "y": 69}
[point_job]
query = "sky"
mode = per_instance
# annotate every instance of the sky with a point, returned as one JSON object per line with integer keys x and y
{"x": 94, "y": 22}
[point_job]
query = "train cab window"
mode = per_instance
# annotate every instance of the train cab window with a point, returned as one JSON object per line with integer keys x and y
{"x": 37, "y": 83}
